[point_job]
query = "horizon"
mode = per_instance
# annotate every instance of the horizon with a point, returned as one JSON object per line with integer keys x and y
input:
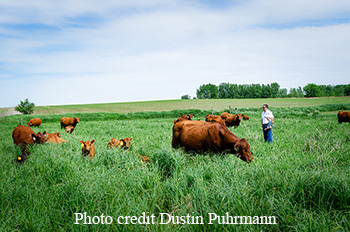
{"x": 63, "y": 53}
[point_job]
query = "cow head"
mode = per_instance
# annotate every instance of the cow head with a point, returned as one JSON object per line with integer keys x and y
{"x": 86, "y": 147}
{"x": 239, "y": 117}
{"x": 125, "y": 143}
{"x": 58, "y": 134}
{"x": 69, "y": 129}
{"x": 190, "y": 116}
{"x": 23, "y": 157}
{"x": 243, "y": 149}
{"x": 76, "y": 119}
{"x": 40, "y": 137}
{"x": 113, "y": 143}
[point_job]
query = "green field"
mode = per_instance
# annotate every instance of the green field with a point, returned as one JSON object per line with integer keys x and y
{"x": 302, "y": 178}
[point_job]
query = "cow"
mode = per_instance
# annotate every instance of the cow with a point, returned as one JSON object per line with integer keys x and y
{"x": 144, "y": 159}
{"x": 343, "y": 116}
{"x": 34, "y": 122}
{"x": 122, "y": 143}
{"x": 69, "y": 122}
{"x": 54, "y": 138}
{"x": 24, "y": 136}
{"x": 231, "y": 119}
{"x": 69, "y": 129}
{"x": 184, "y": 117}
{"x": 204, "y": 136}
{"x": 88, "y": 148}
{"x": 245, "y": 117}
{"x": 213, "y": 118}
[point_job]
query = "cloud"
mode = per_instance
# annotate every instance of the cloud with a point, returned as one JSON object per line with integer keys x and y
{"x": 141, "y": 50}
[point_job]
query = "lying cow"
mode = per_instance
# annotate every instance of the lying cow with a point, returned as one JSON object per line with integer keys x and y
{"x": 54, "y": 138}
{"x": 343, "y": 116}
{"x": 69, "y": 122}
{"x": 204, "y": 136}
{"x": 213, "y": 118}
{"x": 69, "y": 129}
{"x": 144, "y": 159}
{"x": 34, "y": 122}
{"x": 122, "y": 143}
{"x": 24, "y": 136}
{"x": 88, "y": 148}
{"x": 245, "y": 117}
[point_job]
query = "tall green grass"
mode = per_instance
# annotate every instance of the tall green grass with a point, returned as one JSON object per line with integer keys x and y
{"x": 302, "y": 178}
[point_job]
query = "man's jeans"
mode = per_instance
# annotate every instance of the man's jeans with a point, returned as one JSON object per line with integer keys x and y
{"x": 268, "y": 132}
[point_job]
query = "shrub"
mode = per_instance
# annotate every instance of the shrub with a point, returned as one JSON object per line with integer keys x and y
{"x": 25, "y": 107}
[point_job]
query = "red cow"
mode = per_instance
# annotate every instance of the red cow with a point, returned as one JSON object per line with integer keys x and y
{"x": 122, "y": 143}
{"x": 69, "y": 122}
{"x": 231, "y": 119}
{"x": 213, "y": 118}
{"x": 343, "y": 116}
{"x": 204, "y": 136}
{"x": 54, "y": 138}
{"x": 34, "y": 122}
{"x": 245, "y": 117}
{"x": 144, "y": 159}
{"x": 69, "y": 129}
{"x": 24, "y": 136}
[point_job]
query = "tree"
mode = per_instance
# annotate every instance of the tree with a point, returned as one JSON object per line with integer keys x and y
{"x": 208, "y": 91}
{"x": 186, "y": 97}
{"x": 312, "y": 90}
{"x": 25, "y": 107}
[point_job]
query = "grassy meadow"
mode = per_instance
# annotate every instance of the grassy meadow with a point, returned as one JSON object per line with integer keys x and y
{"x": 302, "y": 178}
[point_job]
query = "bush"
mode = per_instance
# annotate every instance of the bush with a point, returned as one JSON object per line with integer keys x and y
{"x": 25, "y": 107}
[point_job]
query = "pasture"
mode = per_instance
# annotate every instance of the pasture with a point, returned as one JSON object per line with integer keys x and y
{"x": 302, "y": 178}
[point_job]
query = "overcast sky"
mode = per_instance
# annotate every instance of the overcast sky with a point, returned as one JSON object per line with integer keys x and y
{"x": 89, "y": 51}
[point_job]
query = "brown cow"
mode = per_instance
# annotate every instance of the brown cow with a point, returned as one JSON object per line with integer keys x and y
{"x": 69, "y": 129}
{"x": 88, "y": 148}
{"x": 122, "y": 143}
{"x": 231, "y": 119}
{"x": 204, "y": 136}
{"x": 24, "y": 136}
{"x": 34, "y": 122}
{"x": 144, "y": 159}
{"x": 54, "y": 138}
{"x": 245, "y": 117}
{"x": 213, "y": 118}
{"x": 343, "y": 116}
{"x": 69, "y": 122}
{"x": 184, "y": 117}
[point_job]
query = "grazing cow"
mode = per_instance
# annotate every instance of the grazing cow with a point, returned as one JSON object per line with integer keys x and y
{"x": 54, "y": 138}
{"x": 34, "y": 122}
{"x": 231, "y": 119}
{"x": 245, "y": 117}
{"x": 69, "y": 129}
{"x": 204, "y": 136}
{"x": 343, "y": 116}
{"x": 69, "y": 122}
{"x": 24, "y": 136}
{"x": 213, "y": 118}
{"x": 144, "y": 159}
{"x": 122, "y": 143}
{"x": 88, "y": 148}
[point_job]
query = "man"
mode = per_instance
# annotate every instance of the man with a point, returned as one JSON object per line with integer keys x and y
{"x": 266, "y": 123}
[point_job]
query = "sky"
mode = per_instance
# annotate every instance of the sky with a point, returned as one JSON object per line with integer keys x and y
{"x": 88, "y": 51}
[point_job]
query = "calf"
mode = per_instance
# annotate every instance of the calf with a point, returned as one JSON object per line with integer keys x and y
{"x": 34, "y": 122}
{"x": 245, "y": 117}
{"x": 54, "y": 138}
{"x": 88, "y": 148}
{"x": 231, "y": 119}
{"x": 144, "y": 159}
{"x": 343, "y": 116}
{"x": 122, "y": 143}
{"x": 204, "y": 136}
{"x": 69, "y": 129}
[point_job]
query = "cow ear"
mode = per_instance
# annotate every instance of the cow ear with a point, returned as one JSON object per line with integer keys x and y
{"x": 92, "y": 141}
{"x": 131, "y": 138}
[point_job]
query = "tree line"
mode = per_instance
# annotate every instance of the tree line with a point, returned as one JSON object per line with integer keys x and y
{"x": 273, "y": 90}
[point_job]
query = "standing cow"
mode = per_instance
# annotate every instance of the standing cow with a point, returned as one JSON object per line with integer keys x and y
{"x": 34, "y": 122}
{"x": 204, "y": 136}
{"x": 69, "y": 122}
{"x": 343, "y": 116}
